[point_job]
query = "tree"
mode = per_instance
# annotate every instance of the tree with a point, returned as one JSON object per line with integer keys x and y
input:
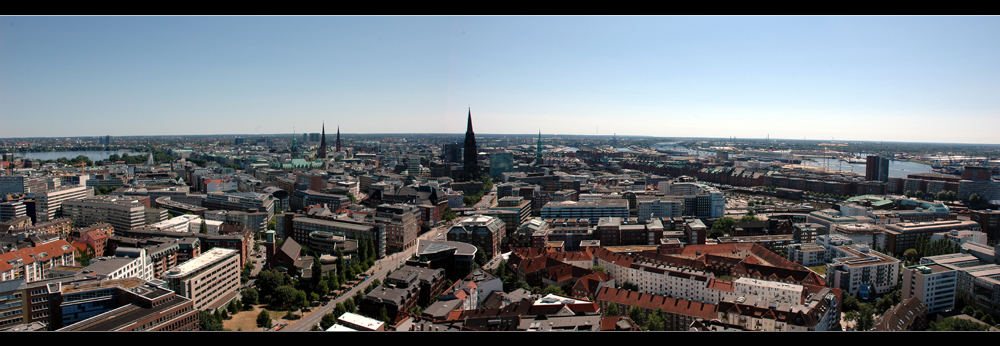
{"x": 322, "y": 288}
{"x": 204, "y": 227}
{"x": 340, "y": 264}
{"x": 988, "y": 319}
{"x": 301, "y": 299}
{"x": 448, "y": 214}
{"x": 552, "y": 289}
{"x": 232, "y": 308}
{"x": 850, "y": 303}
{"x": 638, "y": 315}
{"x": 289, "y": 316}
{"x": 598, "y": 269}
{"x": 480, "y": 257}
{"x": 657, "y": 320}
{"x": 612, "y": 310}
{"x": 968, "y": 310}
{"x": 264, "y": 319}
{"x": 866, "y": 320}
{"x": 957, "y": 324}
{"x": 249, "y": 296}
{"x": 208, "y": 322}
{"x": 349, "y": 305}
{"x": 339, "y": 310}
{"x": 285, "y": 297}
{"x": 328, "y": 321}
{"x": 84, "y": 256}
{"x": 317, "y": 272}
{"x": 269, "y": 280}
{"x": 910, "y": 255}
{"x": 362, "y": 249}
{"x": 630, "y": 286}
{"x": 722, "y": 226}
{"x": 383, "y": 315}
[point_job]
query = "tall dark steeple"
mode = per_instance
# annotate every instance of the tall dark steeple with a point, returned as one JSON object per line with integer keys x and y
{"x": 322, "y": 143}
{"x": 538, "y": 149}
{"x": 338, "y": 138}
{"x": 471, "y": 154}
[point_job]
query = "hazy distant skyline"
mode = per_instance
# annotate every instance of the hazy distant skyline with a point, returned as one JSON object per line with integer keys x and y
{"x": 876, "y": 78}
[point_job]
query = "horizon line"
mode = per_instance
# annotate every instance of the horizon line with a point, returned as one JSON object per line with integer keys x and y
{"x": 505, "y": 134}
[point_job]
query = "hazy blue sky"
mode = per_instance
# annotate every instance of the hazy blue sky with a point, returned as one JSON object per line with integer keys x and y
{"x": 893, "y": 78}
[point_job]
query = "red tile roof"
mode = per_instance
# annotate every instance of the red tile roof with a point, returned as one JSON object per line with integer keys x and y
{"x": 652, "y": 302}
{"x": 28, "y": 255}
{"x": 721, "y": 285}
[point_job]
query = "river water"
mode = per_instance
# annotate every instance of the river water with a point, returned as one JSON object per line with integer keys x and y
{"x": 897, "y": 169}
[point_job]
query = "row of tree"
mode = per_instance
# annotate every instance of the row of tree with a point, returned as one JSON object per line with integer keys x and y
{"x": 924, "y": 247}
{"x": 647, "y": 320}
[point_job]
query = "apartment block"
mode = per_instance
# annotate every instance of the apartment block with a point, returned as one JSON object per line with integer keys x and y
{"x": 209, "y": 280}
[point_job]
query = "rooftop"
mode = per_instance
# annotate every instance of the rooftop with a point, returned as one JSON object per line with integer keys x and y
{"x": 205, "y": 259}
{"x": 360, "y": 321}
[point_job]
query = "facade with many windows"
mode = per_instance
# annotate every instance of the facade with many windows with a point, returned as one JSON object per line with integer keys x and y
{"x": 933, "y": 284}
{"x": 48, "y": 204}
{"x": 209, "y": 280}
{"x": 30, "y": 263}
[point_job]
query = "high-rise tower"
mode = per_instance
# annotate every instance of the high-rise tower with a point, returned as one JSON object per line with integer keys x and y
{"x": 471, "y": 154}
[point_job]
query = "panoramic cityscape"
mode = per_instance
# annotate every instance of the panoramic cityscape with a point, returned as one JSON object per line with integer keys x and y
{"x": 499, "y": 174}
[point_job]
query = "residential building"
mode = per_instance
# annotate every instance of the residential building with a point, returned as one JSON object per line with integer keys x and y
{"x": 121, "y": 212}
{"x": 679, "y": 313}
{"x": 592, "y": 210}
{"x": 807, "y": 254}
{"x": 908, "y": 315}
{"x": 241, "y": 201}
{"x": 358, "y": 322}
{"x": 255, "y": 221}
{"x": 125, "y": 305}
{"x": 456, "y": 258}
{"x": 933, "y": 285}
{"x": 819, "y": 311}
{"x": 210, "y": 280}
{"x": 302, "y": 226}
{"x": 31, "y": 263}
{"x": 401, "y": 225}
{"x": 48, "y": 204}
{"x": 858, "y": 270}
{"x": 658, "y": 208}
{"x": 902, "y": 236}
{"x": 989, "y": 222}
{"x": 876, "y": 168}
{"x": 11, "y": 210}
{"x": 483, "y": 231}
{"x": 113, "y": 268}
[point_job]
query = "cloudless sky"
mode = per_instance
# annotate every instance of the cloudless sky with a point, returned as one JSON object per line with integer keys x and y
{"x": 891, "y": 78}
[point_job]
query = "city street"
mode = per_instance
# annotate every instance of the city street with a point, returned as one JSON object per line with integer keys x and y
{"x": 379, "y": 271}
{"x": 488, "y": 201}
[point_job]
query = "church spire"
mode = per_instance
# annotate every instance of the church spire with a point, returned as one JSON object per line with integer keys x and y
{"x": 322, "y": 143}
{"x": 471, "y": 153}
{"x": 338, "y": 138}
{"x": 538, "y": 148}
